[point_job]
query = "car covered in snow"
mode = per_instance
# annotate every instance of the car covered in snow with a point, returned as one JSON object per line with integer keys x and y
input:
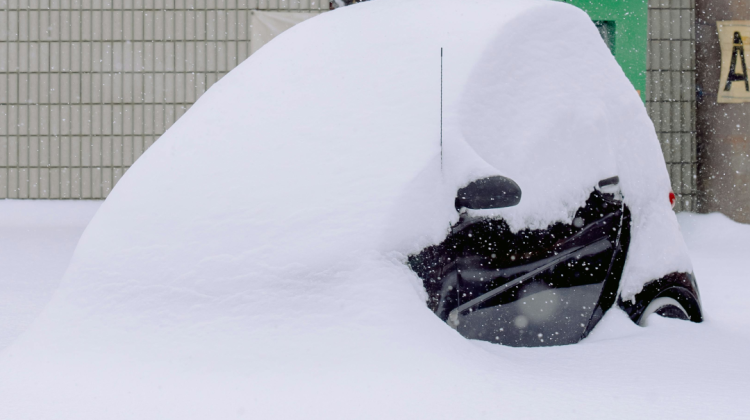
{"x": 257, "y": 256}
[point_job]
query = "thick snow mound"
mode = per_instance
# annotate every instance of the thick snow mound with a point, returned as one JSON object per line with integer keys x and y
{"x": 259, "y": 244}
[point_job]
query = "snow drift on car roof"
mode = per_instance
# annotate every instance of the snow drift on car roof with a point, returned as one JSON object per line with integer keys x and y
{"x": 264, "y": 234}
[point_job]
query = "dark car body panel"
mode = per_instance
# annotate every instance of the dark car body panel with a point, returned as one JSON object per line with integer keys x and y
{"x": 541, "y": 287}
{"x": 533, "y": 287}
{"x": 681, "y": 287}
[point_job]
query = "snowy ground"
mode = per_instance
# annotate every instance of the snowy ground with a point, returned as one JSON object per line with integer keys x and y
{"x": 37, "y": 240}
{"x": 669, "y": 369}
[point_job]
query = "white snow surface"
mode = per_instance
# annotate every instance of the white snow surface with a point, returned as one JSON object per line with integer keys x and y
{"x": 251, "y": 263}
{"x": 671, "y": 369}
{"x": 36, "y": 243}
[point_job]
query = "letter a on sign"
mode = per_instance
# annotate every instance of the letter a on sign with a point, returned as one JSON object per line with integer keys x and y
{"x": 734, "y": 36}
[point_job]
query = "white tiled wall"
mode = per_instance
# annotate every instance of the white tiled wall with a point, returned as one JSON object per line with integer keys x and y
{"x": 86, "y": 86}
{"x": 670, "y": 92}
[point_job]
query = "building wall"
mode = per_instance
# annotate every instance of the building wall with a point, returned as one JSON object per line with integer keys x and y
{"x": 724, "y": 129}
{"x": 86, "y": 86}
{"x": 670, "y": 93}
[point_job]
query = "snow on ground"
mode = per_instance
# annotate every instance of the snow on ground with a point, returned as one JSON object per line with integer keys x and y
{"x": 670, "y": 369}
{"x": 37, "y": 240}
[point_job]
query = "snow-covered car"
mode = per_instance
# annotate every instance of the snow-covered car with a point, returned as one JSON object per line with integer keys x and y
{"x": 255, "y": 259}
{"x": 541, "y": 287}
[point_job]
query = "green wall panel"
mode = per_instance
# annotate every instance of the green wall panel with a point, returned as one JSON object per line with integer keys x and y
{"x": 630, "y": 21}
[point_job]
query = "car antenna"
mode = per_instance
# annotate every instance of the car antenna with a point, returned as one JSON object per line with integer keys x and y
{"x": 450, "y": 226}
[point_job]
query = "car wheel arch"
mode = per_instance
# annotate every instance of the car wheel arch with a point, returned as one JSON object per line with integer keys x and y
{"x": 679, "y": 287}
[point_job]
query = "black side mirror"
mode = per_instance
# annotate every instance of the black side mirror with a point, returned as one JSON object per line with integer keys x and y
{"x": 493, "y": 192}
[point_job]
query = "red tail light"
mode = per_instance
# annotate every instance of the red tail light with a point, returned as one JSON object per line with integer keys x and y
{"x": 672, "y": 198}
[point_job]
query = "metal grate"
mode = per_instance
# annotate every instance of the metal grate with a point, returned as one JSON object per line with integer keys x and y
{"x": 670, "y": 92}
{"x": 86, "y": 86}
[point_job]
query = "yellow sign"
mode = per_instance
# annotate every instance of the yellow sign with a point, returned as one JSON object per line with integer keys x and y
{"x": 734, "y": 39}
